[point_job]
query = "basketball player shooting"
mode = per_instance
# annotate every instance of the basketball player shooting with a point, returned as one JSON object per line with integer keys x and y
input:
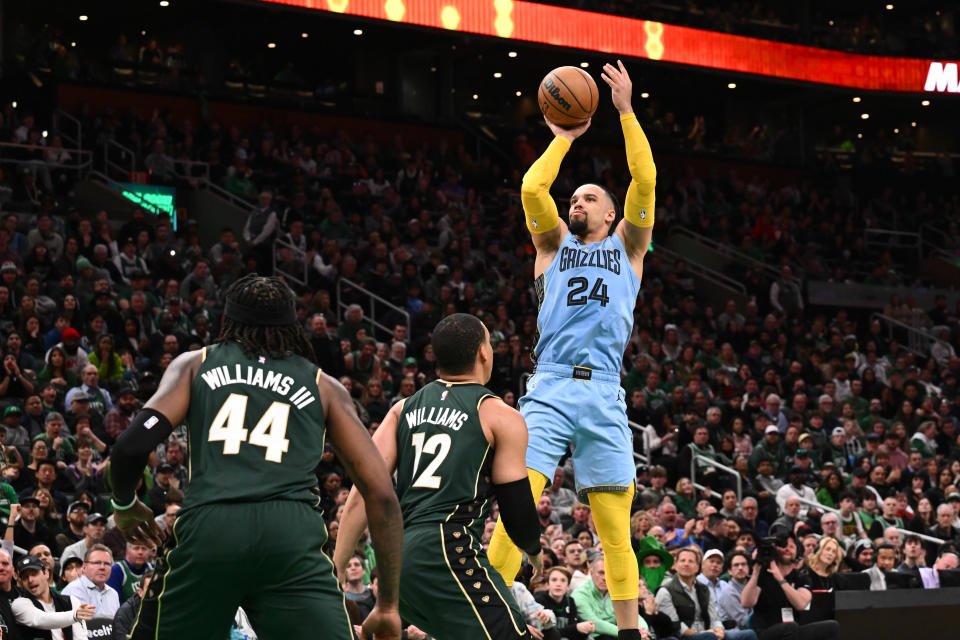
{"x": 588, "y": 275}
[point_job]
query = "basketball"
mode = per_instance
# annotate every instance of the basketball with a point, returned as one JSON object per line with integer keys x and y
{"x": 568, "y": 96}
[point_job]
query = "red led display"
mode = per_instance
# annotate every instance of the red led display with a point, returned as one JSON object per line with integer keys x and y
{"x": 514, "y": 19}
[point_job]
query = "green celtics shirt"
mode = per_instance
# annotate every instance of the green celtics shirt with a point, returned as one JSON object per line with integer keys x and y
{"x": 443, "y": 459}
{"x": 255, "y": 426}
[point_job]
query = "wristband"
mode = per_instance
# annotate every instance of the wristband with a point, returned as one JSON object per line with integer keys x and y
{"x": 117, "y": 507}
{"x": 781, "y": 582}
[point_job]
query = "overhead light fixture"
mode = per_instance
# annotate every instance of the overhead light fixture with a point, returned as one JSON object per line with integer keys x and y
{"x": 856, "y": 98}
{"x": 584, "y": 64}
{"x": 433, "y": 69}
{"x": 271, "y": 45}
{"x": 511, "y": 54}
{"x": 497, "y": 74}
{"x": 73, "y": 43}
{"x": 859, "y": 136}
{"x": 164, "y": 3}
{"x": 830, "y": 23}
{"x": 889, "y": 7}
{"x": 644, "y": 95}
{"x": 304, "y": 35}
{"x": 44, "y": 133}
{"x": 14, "y": 104}
{"x": 896, "y": 130}
{"x": 143, "y": 32}
{"x": 731, "y": 85}
{"x": 925, "y": 103}
{"x": 475, "y": 96}
{"x": 912, "y": 124}
{"x": 864, "y": 116}
{"x": 83, "y": 18}
{"x": 519, "y": 94}
{"x": 358, "y": 32}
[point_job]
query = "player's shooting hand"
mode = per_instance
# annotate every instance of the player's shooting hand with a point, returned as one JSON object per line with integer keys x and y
{"x": 381, "y": 624}
{"x": 621, "y": 87}
{"x": 570, "y": 134}
{"x": 137, "y": 525}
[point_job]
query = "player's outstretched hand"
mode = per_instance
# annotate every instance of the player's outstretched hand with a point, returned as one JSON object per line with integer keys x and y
{"x": 621, "y": 87}
{"x": 537, "y": 563}
{"x": 570, "y": 134}
{"x": 382, "y": 624}
{"x": 137, "y": 524}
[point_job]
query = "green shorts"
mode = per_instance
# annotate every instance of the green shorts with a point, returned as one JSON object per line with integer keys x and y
{"x": 263, "y": 556}
{"x": 449, "y": 590}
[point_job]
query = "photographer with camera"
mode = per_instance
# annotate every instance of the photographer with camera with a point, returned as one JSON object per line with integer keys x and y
{"x": 776, "y": 591}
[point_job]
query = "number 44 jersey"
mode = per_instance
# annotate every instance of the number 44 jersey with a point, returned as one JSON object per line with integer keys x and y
{"x": 443, "y": 459}
{"x": 256, "y": 428}
{"x": 586, "y": 298}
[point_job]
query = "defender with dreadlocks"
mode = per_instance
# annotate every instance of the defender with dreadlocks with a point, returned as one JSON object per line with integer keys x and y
{"x": 250, "y": 532}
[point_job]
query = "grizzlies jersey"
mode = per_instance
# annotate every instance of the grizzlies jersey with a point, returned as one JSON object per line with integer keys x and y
{"x": 586, "y": 298}
{"x": 443, "y": 459}
{"x": 255, "y": 426}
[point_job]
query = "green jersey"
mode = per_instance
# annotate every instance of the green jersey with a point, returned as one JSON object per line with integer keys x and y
{"x": 255, "y": 427}
{"x": 443, "y": 458}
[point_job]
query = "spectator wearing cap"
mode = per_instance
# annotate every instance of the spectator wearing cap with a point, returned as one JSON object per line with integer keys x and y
{"x": 98, "y": 397}
{"x": 70, "y": 343}
{"x": 164, "y": 481}
{"x": 94, "y": 527}
{"x": 91, "y": 587}
{"x": 710, "y": 569}
{"x": 75, "y": 520}
{"x": 29, "y": 529}
{"x": 127, "y": 261}
{"x": 16, "y": 435}
{"x": 118, "y": 419}
{"x": 41, "y": 608}
{"x": 770, "y": 448}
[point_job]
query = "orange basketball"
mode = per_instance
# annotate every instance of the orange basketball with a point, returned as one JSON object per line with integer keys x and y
{"x": 568, "y": 96}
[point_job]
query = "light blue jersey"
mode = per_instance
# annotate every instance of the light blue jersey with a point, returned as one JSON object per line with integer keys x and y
{"x": 587, "y": 296}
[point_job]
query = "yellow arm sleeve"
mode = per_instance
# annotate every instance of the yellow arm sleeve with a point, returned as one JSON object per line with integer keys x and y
{"x": 639, "y": 204}
{"x": 539, "y": 208}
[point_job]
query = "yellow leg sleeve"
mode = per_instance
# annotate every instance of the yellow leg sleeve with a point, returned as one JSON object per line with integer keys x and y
{"x": 503, "y": 554}
{"x": 611, "y": 515}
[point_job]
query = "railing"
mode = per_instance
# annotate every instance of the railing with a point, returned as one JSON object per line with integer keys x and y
{"x": 820, "y": 507}
{"x": 890, "y": 240}
{"x": 185, "y": 169}
{"x": 235, "y": 200}
{"x": 640, "y": 459}
{"x": 706, "y": 273}
{"x": 118, "y": 160}
{"x": 61, "y": 118}
{"x": 373, "y": 300}
{"x": 728, "y": 251}
{"x": 696, "y": 457}
{"x": 297, "y": 254}
{"x": 134, "y": 197}
{"x": 918, "y": 340}
{"x": 80, "y": 160}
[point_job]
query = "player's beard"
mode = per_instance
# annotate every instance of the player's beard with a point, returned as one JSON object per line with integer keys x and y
{"x": 578, "y": 226}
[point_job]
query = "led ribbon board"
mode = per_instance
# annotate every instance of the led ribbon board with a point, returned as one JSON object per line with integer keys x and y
{"x": 160, "y": 201}
{"x": 517, "y": 20}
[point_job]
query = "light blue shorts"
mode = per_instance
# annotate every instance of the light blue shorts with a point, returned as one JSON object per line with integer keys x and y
{"x": 590, "y": 415}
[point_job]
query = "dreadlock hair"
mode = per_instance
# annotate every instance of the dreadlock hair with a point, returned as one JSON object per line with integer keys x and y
{"x": 272, "y": 296}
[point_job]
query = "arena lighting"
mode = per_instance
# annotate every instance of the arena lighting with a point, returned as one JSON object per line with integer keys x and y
{"x": 14, "y": 104}
{"x": 731, "y": 85}
{"x": 164, "y": 3}
{"x": 519, "y": 93}
{"x": 859, "y": 136}
{"x": 73, "y": 43}
{"x": 44, "y": 133}
{"x": 896, "y": 130}
{"x": 889, "y": 7}
{"x": 497, "y": 75}
{"x": 584, "y": 64}
{"x": 83, "y": 18}
{"x": 856, "y": 98}
{"x": 913, "y": 124}
{"x": 864, "y": 116}
{"x": 628, "y": 37}
{"x": 304, "y": 35}
{"x": 358, "y": 32}
{"x": 475, "y": 96}
{"x": 271, "y": 45}
{"x": 644, "y": 95}
{"x": 512, "y": 54}
{"x": 925, "y": 103}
